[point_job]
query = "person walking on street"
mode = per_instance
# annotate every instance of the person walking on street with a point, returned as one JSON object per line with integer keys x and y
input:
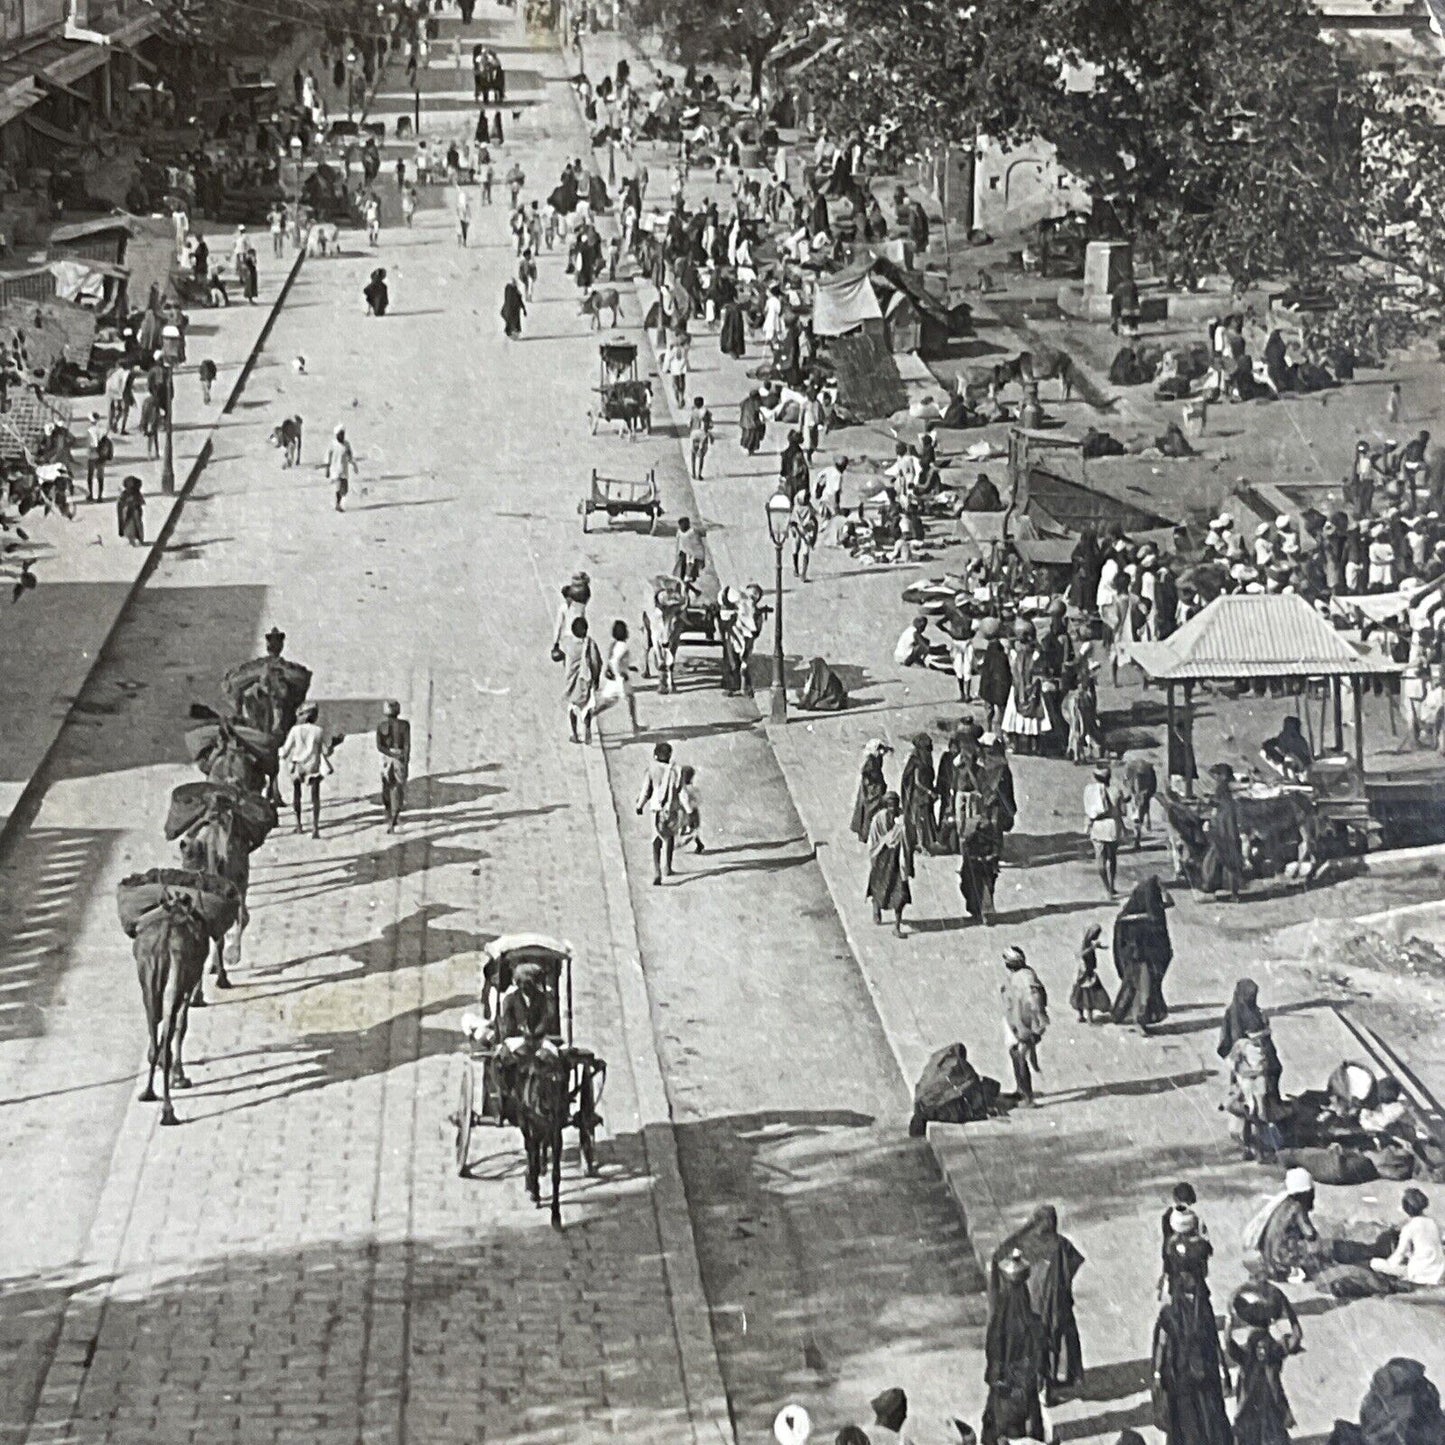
{"x": 340, "y": 464}
{"x": 130, "y": 512}
{"x": 393, "y": 742}
{"x": 408, "y": 205}
{"x": 1101, "y": 815}
{"x": 98, "y": 451}
{"x": 119, "y": 397}
{"x": 513, "y": 310}
{"x": 582, "y": 677}
{"x": 207, "y": 373}
{"x": 304, "y": 756}
{"x": 662, "y": 788}
{"x": 699, "y": 430}
{"x": 373, "y": 219}
{"x": 890, "y": 863}
{"x": 803, "y": 529}
{"x": 151, "y": 414}
{"x": 619, "y": 673}
{"x": 1026, "y": 1017}
{"x": 691, "y": 554}
{"x": 464, "y": 215}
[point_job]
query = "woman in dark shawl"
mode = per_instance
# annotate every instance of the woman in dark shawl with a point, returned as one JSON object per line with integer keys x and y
{"x": 751, "y": 426}
{"x": 483, "y": 133}
{"x": 1087, "y": 561}
{"x": 1189, "y": 1377}
{"x": 1263, "y": 1416}
{"x": 513, "y": 310}
{"x": 732, "y": 334}
{"x": 1244, "y": 1018}
{"x": 889, "y": 863}
{"x": 871, "y": 788}
{"x": 918, "y": 788}
{"x": 1142, "y": 955}
{"x": 376, "y": 294}
{"x": 1223, "y": 865}
{"x": 1402, "y": 1407}
{"x": 823, "y": 691}
{"x": 1013, "y": 1358}
{"x": 995, "y": 678}
{"x": 1053, "y": 1262}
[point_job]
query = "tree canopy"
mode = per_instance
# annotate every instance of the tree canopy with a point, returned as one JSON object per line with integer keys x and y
{"x": 1225, "y": 135}
{"x": 699, "y": 31}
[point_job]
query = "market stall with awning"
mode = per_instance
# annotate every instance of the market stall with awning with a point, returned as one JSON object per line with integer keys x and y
{"x": 1255, "y": 637}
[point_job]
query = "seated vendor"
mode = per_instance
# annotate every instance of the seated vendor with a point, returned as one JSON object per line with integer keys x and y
{"x": 983, "y": 496}
{"x": 912, "y": 647}
{"x": 1288, "y": 752}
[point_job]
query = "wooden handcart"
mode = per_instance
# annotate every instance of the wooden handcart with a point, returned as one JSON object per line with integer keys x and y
{"x": 620, "y": 496}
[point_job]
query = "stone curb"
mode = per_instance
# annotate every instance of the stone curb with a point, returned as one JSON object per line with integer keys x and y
{"x": 709, "y": 1413}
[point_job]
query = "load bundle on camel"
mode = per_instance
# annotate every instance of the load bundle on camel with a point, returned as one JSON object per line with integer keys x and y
{"x": 139, "y": 896}
{"x": 218, "y": 827}
{"x": 232, "y": 752}
{"x": 265, "y": 693}
{"x": 194, "y": 803}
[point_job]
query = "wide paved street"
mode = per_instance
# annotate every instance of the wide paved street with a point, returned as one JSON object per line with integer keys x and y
{"x": 299, "y": 1260}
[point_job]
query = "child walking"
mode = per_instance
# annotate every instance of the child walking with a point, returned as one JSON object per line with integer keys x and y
{"x": 690, "y": 810}
{"x": 1089, "y": 996}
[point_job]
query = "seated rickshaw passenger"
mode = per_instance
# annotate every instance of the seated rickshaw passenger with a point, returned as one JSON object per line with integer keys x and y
{"x": 526, "y": 1016}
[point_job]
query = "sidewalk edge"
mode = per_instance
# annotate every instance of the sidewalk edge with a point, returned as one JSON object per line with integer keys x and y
{"x": 27, "y": 804}
{"x": 709, "y": 1414}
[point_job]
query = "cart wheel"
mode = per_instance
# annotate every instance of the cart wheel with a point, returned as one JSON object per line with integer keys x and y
{"x": 586, "y": 513}
{"x": 464, "y": 1120}
{"x": 587, "y": 1125}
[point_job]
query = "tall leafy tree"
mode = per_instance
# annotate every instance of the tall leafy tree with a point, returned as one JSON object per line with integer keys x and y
{"x": 740, "y": 31}
{"x": 1223, "y": 136}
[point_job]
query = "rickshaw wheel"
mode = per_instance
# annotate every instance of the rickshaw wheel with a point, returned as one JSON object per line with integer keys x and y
{"x": 586, "y": 513}
{"x": 464, "y": 1119}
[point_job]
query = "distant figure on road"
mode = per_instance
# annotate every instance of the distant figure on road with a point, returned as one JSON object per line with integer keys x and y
{"x": 340, "y": 463}
{"x": 464, "y": 215}
{"x": 889, "y": 862}
{"x": 376, "y": 293}
{"x": 582, "y": 677}
{"x": 662, "y": 788}
{"x": 1026, "y": 1016}
{"x": 393, "y": 742}
{"x": 130, "y": 512}
{"x": 513, "y": 310}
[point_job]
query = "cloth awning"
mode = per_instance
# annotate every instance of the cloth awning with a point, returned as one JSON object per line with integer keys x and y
{"x": 844, "y": 303}
{"x": 1249, "y": 635}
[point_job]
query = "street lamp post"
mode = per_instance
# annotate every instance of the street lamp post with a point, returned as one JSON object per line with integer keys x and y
{"x": 779, "y": 510}
{"x": 170, "y": 355}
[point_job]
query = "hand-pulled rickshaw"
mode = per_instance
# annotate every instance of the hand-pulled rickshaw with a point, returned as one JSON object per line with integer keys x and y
{"x": 492, "y": 1077}
{"x": 622, "y": 395}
